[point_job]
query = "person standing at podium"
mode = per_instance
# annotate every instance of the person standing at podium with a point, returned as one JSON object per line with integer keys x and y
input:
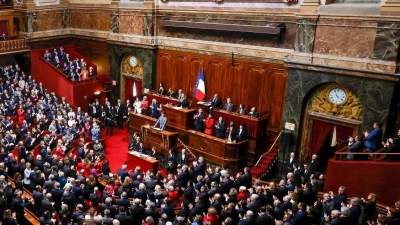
{"x": 162, "y": 120}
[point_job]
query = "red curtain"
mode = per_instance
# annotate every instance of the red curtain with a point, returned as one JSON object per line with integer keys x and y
{"x": 343, "y": 133}
{"x": 320, "y": 132}
{"x": 129, "y": 84}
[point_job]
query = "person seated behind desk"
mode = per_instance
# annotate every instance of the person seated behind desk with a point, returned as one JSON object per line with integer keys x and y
{"x": 171, "y": 93}
{"x": 241, "y": 109}
{"x": 154, "y": 153}
{"x": 183, "y": 102}
{"x": 253, "y": 113}
{"x": 228, "y": 105}
{"x": 161, "y": 89}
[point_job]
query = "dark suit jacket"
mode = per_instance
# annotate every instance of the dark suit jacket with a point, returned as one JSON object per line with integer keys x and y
{"x": 180, "y": 161}
{"x": 137, "y": 214}
{"x": 241, "y": 136}
{"x": 123, "y": 219}
{"x": 248, "y": 221}
{"x": 200, "y": 169}
{"x": 264, "y": 219}
{"x": 313, "y": 165}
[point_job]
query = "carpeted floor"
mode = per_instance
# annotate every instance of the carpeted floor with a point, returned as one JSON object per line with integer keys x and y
{"x": 116, "y": 148}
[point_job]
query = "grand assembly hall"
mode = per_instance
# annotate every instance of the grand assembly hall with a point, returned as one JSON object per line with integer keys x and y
{"x": 199, "y": 112}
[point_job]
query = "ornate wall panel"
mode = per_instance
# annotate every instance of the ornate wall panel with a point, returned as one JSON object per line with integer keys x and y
{"x": 93, "y": 19}
{"x": 244, "y": 81}
{"x": 332, "y": 37}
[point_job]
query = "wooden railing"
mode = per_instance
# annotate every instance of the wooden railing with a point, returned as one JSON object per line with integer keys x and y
{"x": 270, "y": 149}
{"x": 375, "y": 156}
{"x": 13, "y": 45}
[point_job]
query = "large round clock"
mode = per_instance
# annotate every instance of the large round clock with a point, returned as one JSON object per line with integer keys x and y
{"x": 133, "y": 61}
{"x": 337, "y": 95}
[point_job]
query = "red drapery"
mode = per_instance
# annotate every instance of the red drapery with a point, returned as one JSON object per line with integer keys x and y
{"x": 129, "y": 84}
{"x": 320, "y": 132}
{"x": 343, "y": 133}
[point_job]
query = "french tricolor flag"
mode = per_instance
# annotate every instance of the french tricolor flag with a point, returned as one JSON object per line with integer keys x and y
{"x": 200, "y": 89}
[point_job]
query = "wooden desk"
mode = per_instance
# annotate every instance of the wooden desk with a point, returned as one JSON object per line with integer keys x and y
{"x": 180, "y": 118}
{"x": 162, "y": 99}
{"x": 163, "y": 140}
{"x": 255, "y": 127}
{"x": 218, "y": 150}
{"x": 136, "y": 121}
{"x": 144, "y": 163}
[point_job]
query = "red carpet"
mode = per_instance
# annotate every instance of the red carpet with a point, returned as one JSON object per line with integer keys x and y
{"x": 116, "y": 148}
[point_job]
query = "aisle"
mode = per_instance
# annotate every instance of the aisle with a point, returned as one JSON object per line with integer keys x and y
{"x": 116, "y": 148}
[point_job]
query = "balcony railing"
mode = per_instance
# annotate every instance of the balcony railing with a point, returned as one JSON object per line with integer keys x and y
{"x": 13, "y": 45}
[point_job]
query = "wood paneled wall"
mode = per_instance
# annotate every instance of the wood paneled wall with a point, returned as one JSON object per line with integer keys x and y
{"x": 254, "y": 84}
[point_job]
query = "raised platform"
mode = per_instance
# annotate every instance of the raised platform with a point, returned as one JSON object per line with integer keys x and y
{"x": 363, "y": 177}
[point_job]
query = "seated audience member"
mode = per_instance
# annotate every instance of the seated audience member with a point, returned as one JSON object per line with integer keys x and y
{"x": 241, "y": 109}
{"x": 357, "y": 146}
{"x": 209, "y": 123}
{"x": 228, "y": 105}
{"x": 253, "y": 113}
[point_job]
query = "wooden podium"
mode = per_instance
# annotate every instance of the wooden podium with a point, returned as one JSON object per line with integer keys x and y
{"x": 217, "y": 150}
{"x": 162, "y": 140}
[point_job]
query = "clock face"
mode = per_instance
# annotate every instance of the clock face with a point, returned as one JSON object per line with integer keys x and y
{"x": 337, "y": 96}
{"x": 133, "y": 61}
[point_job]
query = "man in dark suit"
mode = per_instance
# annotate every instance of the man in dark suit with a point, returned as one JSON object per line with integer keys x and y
{"x": 231, "y": 133}
{"x": 306, "y": 173}
{"x": 355, "y": 145}
{"x": 215, "y": 103}
{"x": 57, "y": 194}
{"x": 241, "y": 134}
{"x": 122, "y": 217}
{"x": 182, "y": 158}
{"x": 199, "y": 121}
{"x": 118, "y": 115}
{"x": 79, "y": 212}
{"x": 47, "y": 204}
{"x": 248, "y": 219}
{"x": 220, "y": 128}
{"x": 247, "y": 178}
{"x": 183, "y": 102}
{"x": 264, "y": 216}
{"x": 228, "y": 105}
{"x": 107, "y": 205}
{"x": 301, "y": 216}
{"x": 355, "y": 210}
{"x": 123, "y": 173}
{"x": 200, "y": 167}
{"x": 198, "y": 208}
{"x": 373, "y": 139}
{"x": 292, "y": 160}
{"x": 137, "y": 212}
{"x": 183, "y": 177}
{"x": 313, "y": 163}
{"x": 171, "y": 161}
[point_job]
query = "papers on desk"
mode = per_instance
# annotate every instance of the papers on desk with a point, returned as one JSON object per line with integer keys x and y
{"x": 140, "y": 155}
{"x": 204, "y": 103}
{"x": 178, "y": 108}
{"x": 156, "y": 128}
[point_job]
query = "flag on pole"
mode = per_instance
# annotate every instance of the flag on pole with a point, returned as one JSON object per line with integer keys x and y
{"x": 200, "y": 89}
{"x": 134, "y": 89}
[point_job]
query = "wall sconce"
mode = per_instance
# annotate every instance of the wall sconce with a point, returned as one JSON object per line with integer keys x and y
{"x": 96, "y": 93}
